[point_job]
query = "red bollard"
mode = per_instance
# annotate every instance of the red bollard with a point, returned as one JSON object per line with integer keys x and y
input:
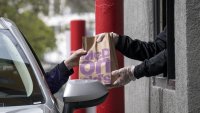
{"x": 110, "y": 18}
{"x": 77, "y": 28}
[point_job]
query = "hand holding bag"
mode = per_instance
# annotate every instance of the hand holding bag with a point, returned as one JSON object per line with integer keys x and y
{"x": 99, "y": 61}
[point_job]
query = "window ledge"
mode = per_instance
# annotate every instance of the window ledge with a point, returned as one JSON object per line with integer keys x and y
{"x": 164, "y": 82}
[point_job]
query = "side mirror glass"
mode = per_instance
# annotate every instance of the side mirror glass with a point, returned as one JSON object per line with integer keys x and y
{"x": 82, "y": 94}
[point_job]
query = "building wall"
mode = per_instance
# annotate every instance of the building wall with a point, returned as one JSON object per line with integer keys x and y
{"x": 188, "y": 55}
{"x": 181, "y": 57}
{"x": 137, "y": 26}
{"x": 143, "y": 97}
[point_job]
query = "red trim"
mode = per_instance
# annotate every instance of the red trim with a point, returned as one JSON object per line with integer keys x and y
{"x": 110, "y": 18}
{"x": 77, "y": 28}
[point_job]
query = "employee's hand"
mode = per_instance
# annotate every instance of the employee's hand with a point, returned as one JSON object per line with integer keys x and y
{"x": 73, "y": 59}
{"x": 115, "y": 37}
{"x": 125, "y": 75}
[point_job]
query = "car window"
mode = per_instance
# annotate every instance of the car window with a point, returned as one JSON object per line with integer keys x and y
{"x": 18, "y": 85}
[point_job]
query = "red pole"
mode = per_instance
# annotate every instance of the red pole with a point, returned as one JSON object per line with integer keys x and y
{"x": 77, "y": 28}
{"x": 110, "y": 18}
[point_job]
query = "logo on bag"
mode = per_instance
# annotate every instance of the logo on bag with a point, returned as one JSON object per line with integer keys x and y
{"x": 96, "y": 65}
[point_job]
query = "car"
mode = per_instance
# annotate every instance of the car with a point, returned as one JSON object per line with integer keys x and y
{"x": 22, "y": 83}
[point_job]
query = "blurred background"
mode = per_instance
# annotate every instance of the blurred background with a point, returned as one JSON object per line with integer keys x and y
{"x": 46, "y": 24}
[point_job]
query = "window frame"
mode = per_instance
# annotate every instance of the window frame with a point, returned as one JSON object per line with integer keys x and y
{"x": 163, "y": 15}
{"x": 36, "y": 96}
{"x": 170, "y": 39}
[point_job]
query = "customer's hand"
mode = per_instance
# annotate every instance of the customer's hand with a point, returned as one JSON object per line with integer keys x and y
{"x": 73, "y": 59}
{"x": 125, "y": 75}
{"x": 101, "y": 36}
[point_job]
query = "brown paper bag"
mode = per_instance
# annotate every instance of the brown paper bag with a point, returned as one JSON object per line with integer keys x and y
{"x": 99, "y": 61}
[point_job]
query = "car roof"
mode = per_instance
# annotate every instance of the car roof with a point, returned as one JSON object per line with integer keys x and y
{"x": 5, "y": 23}
{"x": 2, "y": 23}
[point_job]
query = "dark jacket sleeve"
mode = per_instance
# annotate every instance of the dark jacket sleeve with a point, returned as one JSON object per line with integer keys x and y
{"x": 140, "y": 50}
{"x": 153, "y": 66}
{"x": 153, "y": 54}
{"x": 57, "y": 77}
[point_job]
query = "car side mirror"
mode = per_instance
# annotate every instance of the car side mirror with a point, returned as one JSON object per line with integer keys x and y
{"x": 82, "y": 94}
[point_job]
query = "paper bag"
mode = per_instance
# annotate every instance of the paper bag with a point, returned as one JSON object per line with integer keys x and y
{"x": 99, "y": 61}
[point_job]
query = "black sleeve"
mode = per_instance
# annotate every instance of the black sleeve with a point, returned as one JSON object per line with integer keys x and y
{"x": 58, "y": 76}
{"x": 152, "y": 67}
{"x": 140, "y": 50}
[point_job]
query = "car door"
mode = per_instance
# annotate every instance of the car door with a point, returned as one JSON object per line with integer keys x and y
{"x": 22, "y": 87}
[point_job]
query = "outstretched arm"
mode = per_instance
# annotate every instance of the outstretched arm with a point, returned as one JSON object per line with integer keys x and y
{"x": 153, "y": 66}
{"x": 140, "y": 50}
{"x": 60, "y": 74}
{"x": 148, "y": 68}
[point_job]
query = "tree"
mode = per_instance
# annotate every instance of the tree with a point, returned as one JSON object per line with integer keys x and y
{"x": 37, "y": 33}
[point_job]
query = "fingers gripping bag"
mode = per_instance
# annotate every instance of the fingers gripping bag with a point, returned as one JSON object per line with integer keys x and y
{"x": 99, "y": 61}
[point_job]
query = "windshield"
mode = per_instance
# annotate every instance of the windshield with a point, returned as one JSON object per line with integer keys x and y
{"x": 18, "y": 85}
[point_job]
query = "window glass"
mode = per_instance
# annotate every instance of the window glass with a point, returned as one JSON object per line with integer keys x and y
{"x": 18, "y": 86}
